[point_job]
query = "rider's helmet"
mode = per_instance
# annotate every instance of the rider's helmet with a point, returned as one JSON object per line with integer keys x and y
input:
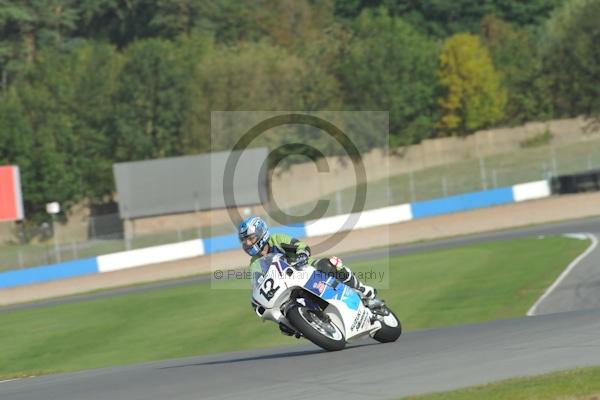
{"x": 254, "y": 235}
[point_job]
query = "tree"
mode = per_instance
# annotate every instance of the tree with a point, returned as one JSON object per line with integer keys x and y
{"x": 258, "y": 76}
{"x": 191, "y": 51}
{"x": 153, "y": 99}
{"x": 292, "y": 23}
{"x": 27, "y": 27}
{"x": 46, "y": 93}
{"x": 388, "y": 65}
{"x": 516, "y": 55}
{"x": 474, "y": 97}
{"x": 93, "y": 69}
{"x": 119, "y": 22}
{"x": 572, "y": 57}
{"x": 123, "y": 22}
{"x": 15, "y": 136}
{"x": 56, "y": 118}
{"x": 442, "y": 18}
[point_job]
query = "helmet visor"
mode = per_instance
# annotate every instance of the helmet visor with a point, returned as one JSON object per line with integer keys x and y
{"x": 248, "y": 241}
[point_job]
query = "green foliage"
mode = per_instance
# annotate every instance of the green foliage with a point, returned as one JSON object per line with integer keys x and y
{"x": 88, "y": 83}
{"x": 54, "y": 175}
{"x": 68, "y": 98}
{"x": 258, "y": 76}
{"x": 155, "y": 86}
{"x": 95, "y": 68}
{"x": 26, "y": 27}
{"x": 287, "y": 23}
{"x": 572, "y": 57}
{"x": 442, "y": 18}
{"x": 474, "y": 97}
{"x": 16, "y": 139}
{"x": 388, "y": 65}
{"x": 515, "y": 55}
{"x": 122, "y": 22}
{"x": 575, "y": 384}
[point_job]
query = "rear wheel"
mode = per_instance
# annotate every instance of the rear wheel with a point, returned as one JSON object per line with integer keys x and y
{"x": 317, "y": 327}
{"x": 391, "y": 329}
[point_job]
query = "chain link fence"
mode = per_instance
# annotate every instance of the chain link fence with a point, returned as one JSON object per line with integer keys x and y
{"x": 502, "y": 170}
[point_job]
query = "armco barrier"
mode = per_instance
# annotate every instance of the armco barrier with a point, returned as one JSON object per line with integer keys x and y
{"x": 44, "y": 273}
{"x": 366, "y": 219}
{"x": 150, "y": 255}
{"x": 531, "y": 191}
{"x": 462, "y": 202}
{"x": 588, "y": 181}
{"x": 325, "y": 226}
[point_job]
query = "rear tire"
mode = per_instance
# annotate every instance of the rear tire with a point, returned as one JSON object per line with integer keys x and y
{"x": 388, "y": 333}
{"x": 301, "y": 317}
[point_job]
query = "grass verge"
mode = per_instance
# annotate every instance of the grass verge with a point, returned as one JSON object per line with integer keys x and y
{"x": 445, "y": 287}
{"x": 577, "y": 384}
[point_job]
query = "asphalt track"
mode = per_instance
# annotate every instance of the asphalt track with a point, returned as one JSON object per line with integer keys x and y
{"x": 425, "y": 361}
{"x": 419, "y": 362}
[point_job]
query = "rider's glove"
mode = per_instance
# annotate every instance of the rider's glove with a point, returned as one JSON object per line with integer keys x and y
{"x": 301, "y": 258}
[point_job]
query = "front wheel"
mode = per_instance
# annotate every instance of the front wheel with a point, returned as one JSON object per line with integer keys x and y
{"x": 391, "y": 329}
{"x": 317, "y": 328}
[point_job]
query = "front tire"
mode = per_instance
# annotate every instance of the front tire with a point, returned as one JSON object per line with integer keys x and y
{"x": 312, "y": 325}
{"x": 391, "y": 329}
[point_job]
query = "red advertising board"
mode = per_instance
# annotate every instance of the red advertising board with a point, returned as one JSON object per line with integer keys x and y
{"x": 11, "y": 199}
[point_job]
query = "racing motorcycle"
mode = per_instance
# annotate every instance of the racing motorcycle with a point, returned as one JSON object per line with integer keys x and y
{"x": 318, "y": 307}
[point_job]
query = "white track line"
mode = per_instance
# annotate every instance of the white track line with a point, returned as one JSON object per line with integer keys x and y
{"x": 566, "y": 272}
{"x": 10, "y": 380}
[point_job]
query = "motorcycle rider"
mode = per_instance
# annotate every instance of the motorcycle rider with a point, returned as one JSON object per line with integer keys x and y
{"x": 257, "y": 241}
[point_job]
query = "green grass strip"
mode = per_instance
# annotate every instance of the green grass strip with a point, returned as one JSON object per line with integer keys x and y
{"x": 439, "y": 288}
{"x": 577, "y": 384}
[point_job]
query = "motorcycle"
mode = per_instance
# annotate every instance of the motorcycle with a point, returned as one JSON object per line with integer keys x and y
{"x": 318, "y": 307}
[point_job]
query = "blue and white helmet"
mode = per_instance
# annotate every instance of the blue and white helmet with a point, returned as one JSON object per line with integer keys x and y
{"x": 254, "y": 226}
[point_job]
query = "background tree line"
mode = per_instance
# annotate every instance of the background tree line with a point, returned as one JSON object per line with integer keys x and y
{"x": 87, "y": 83}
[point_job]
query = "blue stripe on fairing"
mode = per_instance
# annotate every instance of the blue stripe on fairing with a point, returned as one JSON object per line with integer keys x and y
{"x": 351, "y": 298}
{"x": 341, "y": 292}
{"x": 45, "y": 273}
{"x": 462, "y": 202}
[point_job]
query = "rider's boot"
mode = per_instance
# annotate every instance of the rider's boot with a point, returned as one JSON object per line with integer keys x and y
{"x": 366, "y": 292}
{"x": 369, "y": 295}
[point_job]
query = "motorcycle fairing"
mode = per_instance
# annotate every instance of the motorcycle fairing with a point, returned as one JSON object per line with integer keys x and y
{"x": 328, "y": 288}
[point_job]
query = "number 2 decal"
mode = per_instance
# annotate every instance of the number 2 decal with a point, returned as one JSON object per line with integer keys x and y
{"x": 268, "y": 285}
